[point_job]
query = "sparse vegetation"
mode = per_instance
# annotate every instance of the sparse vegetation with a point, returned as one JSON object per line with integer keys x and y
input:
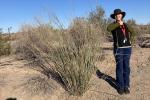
{"x": 4, "y": 45}
{"x": 37, "y": 85}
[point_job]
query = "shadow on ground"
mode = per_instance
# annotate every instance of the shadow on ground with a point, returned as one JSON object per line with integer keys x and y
{"x": 110, "y": 80}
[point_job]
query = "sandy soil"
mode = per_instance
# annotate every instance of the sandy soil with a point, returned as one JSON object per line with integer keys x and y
{"x": 18, "y": 80}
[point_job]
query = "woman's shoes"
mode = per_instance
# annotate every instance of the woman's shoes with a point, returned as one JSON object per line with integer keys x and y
{"x": 120, "y": 91}
{"x": 124, "y": 91}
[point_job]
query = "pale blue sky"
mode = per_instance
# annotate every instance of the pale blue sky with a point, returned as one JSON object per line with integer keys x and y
{"x": 17, "y": 12}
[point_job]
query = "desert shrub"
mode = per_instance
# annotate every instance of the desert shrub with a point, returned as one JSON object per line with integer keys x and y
{"x": 70, "y": 54}
{"x": 142, "y": 33}
{"x": 97, "y": 17}
{"x": 4, "y": 46}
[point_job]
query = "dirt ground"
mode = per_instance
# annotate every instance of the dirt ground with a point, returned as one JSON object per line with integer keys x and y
{"x": 18, "y": 80}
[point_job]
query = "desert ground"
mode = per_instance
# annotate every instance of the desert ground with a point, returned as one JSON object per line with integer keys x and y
{"x": 19, "y": 80}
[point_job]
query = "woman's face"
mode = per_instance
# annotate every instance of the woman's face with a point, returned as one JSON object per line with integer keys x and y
{"x": 118, "y": 17}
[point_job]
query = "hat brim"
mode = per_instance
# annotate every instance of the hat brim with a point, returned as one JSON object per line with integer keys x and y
{"x": 113, "y": 15}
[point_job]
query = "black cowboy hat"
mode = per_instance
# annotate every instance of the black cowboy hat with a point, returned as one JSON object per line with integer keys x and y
{"x": 118, "y": 11}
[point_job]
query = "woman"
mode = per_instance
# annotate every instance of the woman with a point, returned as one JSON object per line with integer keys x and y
{"x": 123, "y": 36}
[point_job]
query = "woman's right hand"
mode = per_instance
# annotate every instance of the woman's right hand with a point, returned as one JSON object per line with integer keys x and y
{"x": 120, "y": 22}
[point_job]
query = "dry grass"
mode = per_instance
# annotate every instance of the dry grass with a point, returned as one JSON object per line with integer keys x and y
{"x": 36, "y": 85}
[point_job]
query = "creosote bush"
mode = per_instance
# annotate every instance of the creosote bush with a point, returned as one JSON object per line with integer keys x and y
{"x": 70, "y": 54}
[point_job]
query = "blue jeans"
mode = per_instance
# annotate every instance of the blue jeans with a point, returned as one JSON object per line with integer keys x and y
{"x": 122, "y": 57}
